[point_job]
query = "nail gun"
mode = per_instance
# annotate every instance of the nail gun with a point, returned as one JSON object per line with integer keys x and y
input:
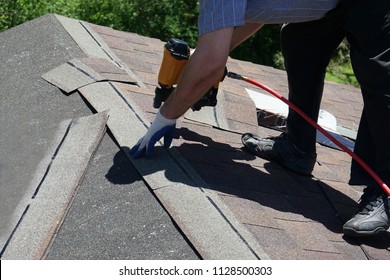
{"x": 176, "y": 55}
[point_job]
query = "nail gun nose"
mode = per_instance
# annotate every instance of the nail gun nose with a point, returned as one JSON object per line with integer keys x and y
{"x": 234, "y": 76}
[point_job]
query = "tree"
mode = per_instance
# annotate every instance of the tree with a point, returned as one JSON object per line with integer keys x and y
{"x": 160, "y": 19}
{"x": 15, "y": 12}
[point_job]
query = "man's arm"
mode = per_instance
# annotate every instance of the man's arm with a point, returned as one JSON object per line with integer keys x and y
{"x": 205, "y": 66}
{"x": 242, "y": 33}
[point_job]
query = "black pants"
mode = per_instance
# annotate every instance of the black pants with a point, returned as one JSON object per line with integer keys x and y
{"x": 307, "y": 48}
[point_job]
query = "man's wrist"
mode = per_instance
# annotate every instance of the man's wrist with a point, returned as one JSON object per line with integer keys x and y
{"x": 164, "y": 121}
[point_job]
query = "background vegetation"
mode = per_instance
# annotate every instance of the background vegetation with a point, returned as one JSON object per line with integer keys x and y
{"x": 162, "y": 19}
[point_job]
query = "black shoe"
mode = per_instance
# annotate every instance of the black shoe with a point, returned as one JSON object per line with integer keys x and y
{"x": 372, "y": 217}
{"x": 282, "y": 150}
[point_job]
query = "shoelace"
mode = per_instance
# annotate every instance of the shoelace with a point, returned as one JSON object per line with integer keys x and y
{"x": 368, "y": 202}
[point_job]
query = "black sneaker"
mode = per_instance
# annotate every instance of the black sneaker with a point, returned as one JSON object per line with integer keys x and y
{"x": 282, "y": 150}
{"x": 372, "y": 217}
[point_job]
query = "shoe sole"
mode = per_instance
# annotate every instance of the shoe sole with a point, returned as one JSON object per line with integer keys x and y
{"x": 275, "y": 159}
{"x": 355, "y": 233}
{"x": 295, "y": 167}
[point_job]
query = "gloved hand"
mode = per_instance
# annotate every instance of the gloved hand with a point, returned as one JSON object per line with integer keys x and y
{"x": 161, "y": 127}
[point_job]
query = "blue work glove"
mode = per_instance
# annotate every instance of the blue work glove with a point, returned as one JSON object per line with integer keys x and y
{"x": 161, "y": 127}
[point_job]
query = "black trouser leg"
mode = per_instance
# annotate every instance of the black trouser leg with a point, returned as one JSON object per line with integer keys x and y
{"x": 307, "y": 49}
{"x": 367, "y": 24}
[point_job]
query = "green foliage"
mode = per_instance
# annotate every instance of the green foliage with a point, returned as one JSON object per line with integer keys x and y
{"x": 262, "y": 48}
{"x": 162, "y": 19}
{"x": 340, "y": 69}
{"x": 15, "y": 12}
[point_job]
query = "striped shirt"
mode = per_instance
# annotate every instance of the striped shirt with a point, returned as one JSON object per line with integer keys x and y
{"x": 217, "y": 14}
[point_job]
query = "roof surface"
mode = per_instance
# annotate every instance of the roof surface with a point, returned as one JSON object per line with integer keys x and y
{"x": 205, "y": 197}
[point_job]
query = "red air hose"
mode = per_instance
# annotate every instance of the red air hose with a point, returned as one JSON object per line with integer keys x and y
{"x": 318, "y": 127}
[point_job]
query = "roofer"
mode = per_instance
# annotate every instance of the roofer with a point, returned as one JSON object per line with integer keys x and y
{"x": 307, "y": 49}
{"x": 307, "y": 45}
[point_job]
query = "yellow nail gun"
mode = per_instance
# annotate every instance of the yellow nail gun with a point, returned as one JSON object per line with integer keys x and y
{"x": 176, "y": 55}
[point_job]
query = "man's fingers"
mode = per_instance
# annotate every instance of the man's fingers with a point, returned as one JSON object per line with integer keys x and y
{"x": 138, "y": 148}
{"x": 150, "y": 146}
{"x": 134, "y": 149}
{"x": 146, "y": 145}
{"x": 169, "y": 137}
{"x": 139, "y": 153}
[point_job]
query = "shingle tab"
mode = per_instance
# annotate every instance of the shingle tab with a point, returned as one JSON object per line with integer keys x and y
{"x": 72, "y": 76}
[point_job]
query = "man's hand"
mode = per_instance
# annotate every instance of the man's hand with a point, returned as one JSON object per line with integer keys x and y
{"x": 161, "y": 127}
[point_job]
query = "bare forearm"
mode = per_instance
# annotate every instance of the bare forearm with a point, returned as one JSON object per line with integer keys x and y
{"x": 205, "y": 67}
{"x": 242, "y": 33}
